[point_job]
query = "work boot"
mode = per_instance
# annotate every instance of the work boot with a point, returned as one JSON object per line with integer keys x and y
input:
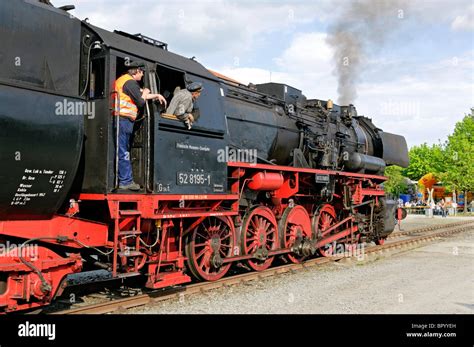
{"x": 131, "y": 186}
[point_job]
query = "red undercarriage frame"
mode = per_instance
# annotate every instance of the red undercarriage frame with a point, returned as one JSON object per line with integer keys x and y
{"x": 170, "y": 238}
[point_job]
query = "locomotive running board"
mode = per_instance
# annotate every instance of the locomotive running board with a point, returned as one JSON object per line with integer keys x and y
{"x": 304, "y": 170}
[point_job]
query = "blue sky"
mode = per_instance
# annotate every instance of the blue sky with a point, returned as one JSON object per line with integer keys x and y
{"x": 418, "y": 82}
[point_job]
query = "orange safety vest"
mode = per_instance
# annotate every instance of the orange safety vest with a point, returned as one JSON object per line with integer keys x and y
{"x": 127, "y": 106}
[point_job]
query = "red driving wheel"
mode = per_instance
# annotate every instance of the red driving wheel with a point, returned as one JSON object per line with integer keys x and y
{"x": 295, "y": 225}
{"x": 325, "y": 218}
{"x": 207, "y": 245}
{"x": 259, "y": 236}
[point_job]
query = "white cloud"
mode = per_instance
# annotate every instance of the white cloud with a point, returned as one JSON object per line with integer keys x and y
{"x": 464, "y": 22}
{"x": 306, "y": 50}
{"x": 306, "y": 64}
{"x": 435, "y": 11}
{"x": 423, "y": 105}
{"x": 201, "y": 27}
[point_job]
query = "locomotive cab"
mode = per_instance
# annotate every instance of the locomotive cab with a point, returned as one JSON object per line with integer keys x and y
{"x": 157, "y": 137}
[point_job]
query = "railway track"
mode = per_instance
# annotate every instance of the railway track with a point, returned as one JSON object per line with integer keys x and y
{"x": 119, "y": 305}
{"x": 401, "y": 233}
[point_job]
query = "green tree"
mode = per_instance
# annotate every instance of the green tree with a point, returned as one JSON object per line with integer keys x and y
{"x": 459, "y": 173}
{"x": 425, "y": 159}
{"x": 396, "y": 183}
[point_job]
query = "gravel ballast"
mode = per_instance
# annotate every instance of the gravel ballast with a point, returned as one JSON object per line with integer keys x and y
{"x": 435, "y": 278}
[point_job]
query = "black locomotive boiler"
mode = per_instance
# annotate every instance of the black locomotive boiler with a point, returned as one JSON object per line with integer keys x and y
{"x": 264, "y": 173}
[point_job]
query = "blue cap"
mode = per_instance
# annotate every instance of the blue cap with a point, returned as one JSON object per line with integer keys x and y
{"x": 136, "y": 65}
{"x": 195, "y": 87}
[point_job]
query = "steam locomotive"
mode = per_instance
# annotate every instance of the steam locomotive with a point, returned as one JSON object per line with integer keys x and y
{"x": 264, "y": 173}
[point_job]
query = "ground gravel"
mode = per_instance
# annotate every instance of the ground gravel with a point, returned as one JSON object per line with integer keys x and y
{"x": 434, "y": 278}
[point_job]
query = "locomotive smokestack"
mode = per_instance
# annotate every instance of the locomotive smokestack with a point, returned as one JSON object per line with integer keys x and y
{"x": 359, "y": 27}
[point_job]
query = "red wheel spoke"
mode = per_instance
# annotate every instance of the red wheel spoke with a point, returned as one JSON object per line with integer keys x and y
{"x": 203, "y": 236}
{"x": 254, "y": 224}
{"x": 203, "y": 261}
{"x": 250, "y": 237}
{"x": 252, "y": 231}
{"x": 196, "y": 245}
{"x": 223, "y": 231}
{"x": 225, "y": 237}
{"x": 252, "y": 246}
{"x": 201, "y": 253}
{"x": 265, "y": 226}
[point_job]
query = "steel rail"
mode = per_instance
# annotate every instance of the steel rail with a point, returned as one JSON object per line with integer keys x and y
{"x": 118, "y": 305}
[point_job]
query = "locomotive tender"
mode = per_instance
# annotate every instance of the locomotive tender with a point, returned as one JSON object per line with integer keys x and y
{"x": 264, "y": 174}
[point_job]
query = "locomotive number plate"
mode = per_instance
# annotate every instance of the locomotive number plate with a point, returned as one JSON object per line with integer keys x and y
{"x": 193, "y": 179}
{"x": 321, "y": 178}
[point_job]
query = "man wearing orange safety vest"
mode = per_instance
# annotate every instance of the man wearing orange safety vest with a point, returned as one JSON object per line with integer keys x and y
{"x": 129, "y": 100}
